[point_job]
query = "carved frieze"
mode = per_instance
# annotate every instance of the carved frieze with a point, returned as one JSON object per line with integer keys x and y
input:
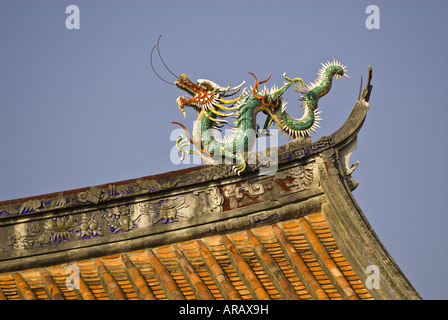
{"x": 299, "y": 178}
{"x": 96, "y": 195}
{"x": 111, "y": 220}
{"x": 294, "y": 179}
{"x": 211, "y": 202}
{"x": 305, "y": 150}
{"x": 24, "y": 236}
{"x": 118, "y": 218}
{"x": 89, "y": 227}
{"x": 163, "y": 211}
{"x": 68, "y": 226}
{"x": 247, "y": 192}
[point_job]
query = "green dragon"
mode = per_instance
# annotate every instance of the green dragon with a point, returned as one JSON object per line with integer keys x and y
{"x": 210, "y": 102}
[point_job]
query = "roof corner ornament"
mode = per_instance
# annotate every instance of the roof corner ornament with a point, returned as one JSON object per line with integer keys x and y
{"x": 352, "y": 168}
{"x": 365, "y": 94}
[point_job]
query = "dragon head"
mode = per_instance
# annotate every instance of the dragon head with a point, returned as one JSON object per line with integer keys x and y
{"x": 205, "y": 94}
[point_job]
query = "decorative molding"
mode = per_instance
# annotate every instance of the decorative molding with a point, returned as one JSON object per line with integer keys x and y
{"x": 247, "y": 192}
{"x": 108, "y": 221}
{"x": 212, "y": 203}
{"x": 97, "y": 195}
{"x": 299, "y": 178}
{"x": 74, "y": 228}
{"x": 306, "y": 150}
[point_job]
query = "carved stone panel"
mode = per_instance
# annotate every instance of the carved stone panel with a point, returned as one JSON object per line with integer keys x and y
{"x": 299, "y": 178}
{"x": 249, "y": 192}
{"x": 102, "y": 223}
{"x": 109, "y": 221}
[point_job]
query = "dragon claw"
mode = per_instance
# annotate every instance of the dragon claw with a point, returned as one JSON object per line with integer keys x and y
{"x": 181, "y": 143}
{"x": 238, "y": 168}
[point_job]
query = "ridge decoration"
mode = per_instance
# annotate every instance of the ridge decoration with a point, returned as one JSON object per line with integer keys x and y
{"x": 211, "y": 101}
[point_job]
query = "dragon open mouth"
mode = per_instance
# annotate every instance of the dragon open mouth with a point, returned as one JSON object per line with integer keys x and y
{"x": 185, "y": 84}
{"x": 182, "y": 83}
{"x": 205, "y": 94}
{"x": 194, "y": 90}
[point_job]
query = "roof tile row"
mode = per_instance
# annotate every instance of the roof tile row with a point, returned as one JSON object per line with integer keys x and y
{"x": 295, "y": 259}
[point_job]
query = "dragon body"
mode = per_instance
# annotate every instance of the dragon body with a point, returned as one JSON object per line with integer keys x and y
{"x": 211, "y": 104}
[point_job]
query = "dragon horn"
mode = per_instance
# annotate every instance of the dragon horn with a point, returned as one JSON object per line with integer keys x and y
{"x": 214, "y": 85}
{"x": 261, "y": 82}
{"x": 255, "y": 88}
{"x": 231, "y": 93}
{"x": 221, "y": 89}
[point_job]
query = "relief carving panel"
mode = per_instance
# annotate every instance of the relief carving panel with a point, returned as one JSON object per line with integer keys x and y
{"x": 295, "y": 179}
{"x": 110, "y": 221}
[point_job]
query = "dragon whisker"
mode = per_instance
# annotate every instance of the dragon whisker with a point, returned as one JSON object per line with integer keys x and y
{"x": 223, "y": 107}
{"x": 231, "y": 94}
{"x": 217, "y": 112}
{"x": 153, "y": 69}
{"x": 158, "y": 50}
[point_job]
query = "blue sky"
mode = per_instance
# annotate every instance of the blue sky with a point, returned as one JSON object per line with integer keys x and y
{"x": 83, "y": 107}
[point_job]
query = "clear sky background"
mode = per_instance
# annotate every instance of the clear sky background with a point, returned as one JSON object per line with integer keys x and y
{"x": 83, "y": 107}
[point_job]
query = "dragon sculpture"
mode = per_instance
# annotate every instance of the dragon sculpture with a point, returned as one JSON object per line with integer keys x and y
{"x": 211, "y": 101}
{"x": 208, "y": 99}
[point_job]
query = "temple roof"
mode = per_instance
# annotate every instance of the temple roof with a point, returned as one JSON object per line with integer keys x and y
{"x": 207, "y": 233}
